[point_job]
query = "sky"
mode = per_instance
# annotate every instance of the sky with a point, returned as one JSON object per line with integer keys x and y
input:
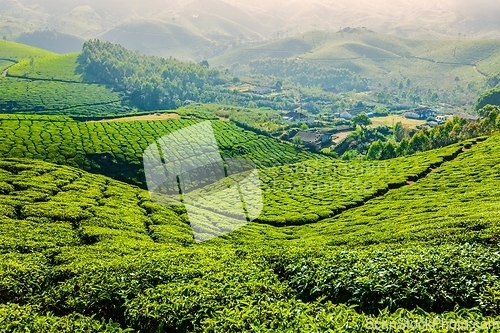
{"x": 443, "y": 16}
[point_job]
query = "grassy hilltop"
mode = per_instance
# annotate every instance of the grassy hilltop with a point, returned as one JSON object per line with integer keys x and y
{"x": 438, "y": 64}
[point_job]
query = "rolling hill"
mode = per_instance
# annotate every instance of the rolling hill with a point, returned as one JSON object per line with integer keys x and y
{"x": 381, "y": 58}
{"x": 160, "y": 39}
{"x": 38, "y": 81}
{"x": 98, "y": 251}
{"x": 403, "y": 244}
{"x": 116, "y": 148}
{"x": 16, "y": 51}
{"x": 228, "y": 22}
{"x": 52, "y": 41}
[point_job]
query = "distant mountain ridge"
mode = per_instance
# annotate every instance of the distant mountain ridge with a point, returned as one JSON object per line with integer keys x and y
{"x": 216, "y": 24}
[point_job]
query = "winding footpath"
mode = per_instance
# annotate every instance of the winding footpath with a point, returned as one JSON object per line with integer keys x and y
{"x": 5, "y": 72}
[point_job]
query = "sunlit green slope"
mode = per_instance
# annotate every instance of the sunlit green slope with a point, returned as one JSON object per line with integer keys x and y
{"x": 116, "y": 148}
{"x": 38, "y": 81}
{"x": 16, "y": 51}
{"x": 456, "y": 202}
{"x": 74, "y": 243}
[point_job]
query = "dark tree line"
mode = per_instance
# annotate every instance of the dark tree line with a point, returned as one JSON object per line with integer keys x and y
{"x": 152, "y": 83}
{"x": 149, "y": 82}
{"x": 454, "y": 131}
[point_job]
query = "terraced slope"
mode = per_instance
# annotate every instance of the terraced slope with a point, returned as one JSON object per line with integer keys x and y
{"x": 116, "y": 148}
{"x": 90, "y": 252}
{"x": 455, "y": 202}
{"x": 55, "y": 67}
{"x": 311, "y": 191}
{"x": 38, "y": 81}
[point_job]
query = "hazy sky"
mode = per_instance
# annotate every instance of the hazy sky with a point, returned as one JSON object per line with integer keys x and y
{"x": 266, "y": 17}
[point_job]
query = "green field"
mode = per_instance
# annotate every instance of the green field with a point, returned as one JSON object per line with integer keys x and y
{"x": 46, "y": 83}
{"x": 381, "y": 58}
{"x": 100, "y": 248}
{"x": 15, "y": 51}
{"x": 78, "y": 99}
{"x": 60, "y": 67}
{"x": 392, "y": 120}
{"x": 407, "y": 244}
{"x": 116, "y": 148}
{"x": 311, "y": 191}
{"x": 5, "y": 64}
{"x": 295, "y": 193}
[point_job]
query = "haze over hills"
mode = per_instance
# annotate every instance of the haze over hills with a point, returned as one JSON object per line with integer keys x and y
{"x": 215, "y": 24}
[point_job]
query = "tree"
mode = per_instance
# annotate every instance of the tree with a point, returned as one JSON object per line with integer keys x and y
{"x": 297, "y": 141}
{"x": 279, "y": 85}
{"x": 491, "y": 115}
{"x": 419, "y": 142}
{"x": 362, "y": 120}
{"x": 399, "y": 132}
{"x": 490, "y": 97}
{"x": 375, "y": 150}
{"x": 493, "y": 81}
{"x": 388, "y": 152}
{"x": 381, "y": 111}
{"x": 205, "y": 64}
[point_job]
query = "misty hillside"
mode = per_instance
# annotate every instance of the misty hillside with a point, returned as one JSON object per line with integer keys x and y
{"x": 214, "y": 25}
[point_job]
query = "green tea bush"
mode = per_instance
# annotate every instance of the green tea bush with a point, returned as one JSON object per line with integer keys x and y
{"x": 51, "y": 97}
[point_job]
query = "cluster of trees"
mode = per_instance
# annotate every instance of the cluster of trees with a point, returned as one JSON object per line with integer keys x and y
{"x": 406, "y": 92}
{"x": 490, "y": 97}
{"x": 455, "y": 130}
{"x": 310, "y": 74}
{"x": 150, "y": 82}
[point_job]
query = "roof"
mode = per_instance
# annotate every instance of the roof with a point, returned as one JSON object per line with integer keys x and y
{"x": 310, "y": 137}
{"x": 346, "y": 115}
{"x": 294, "y": 114}
{"x": 356, "y": 111}
{"x": 412, "y": 115}
{"x": 424, "y": 110}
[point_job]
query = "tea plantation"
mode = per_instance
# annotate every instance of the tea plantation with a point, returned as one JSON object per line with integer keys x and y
{"x": 116, "y": 148}
{"x": 60, "y": 67}
{"x": 18, "y": 52}
{"x": 409, "y": 244}
{"x": 84, "y": 252}
{"x": 43, "y": 82}
{"x": 295, "y": 193}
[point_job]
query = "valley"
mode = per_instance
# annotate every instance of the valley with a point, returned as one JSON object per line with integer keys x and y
{"x": 209, "y": 170}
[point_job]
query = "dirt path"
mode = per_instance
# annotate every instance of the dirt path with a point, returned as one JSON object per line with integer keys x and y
{"x": 164, "y": 116}
{"x": 479, "y": 72}
{"x": 5, "y": 72}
